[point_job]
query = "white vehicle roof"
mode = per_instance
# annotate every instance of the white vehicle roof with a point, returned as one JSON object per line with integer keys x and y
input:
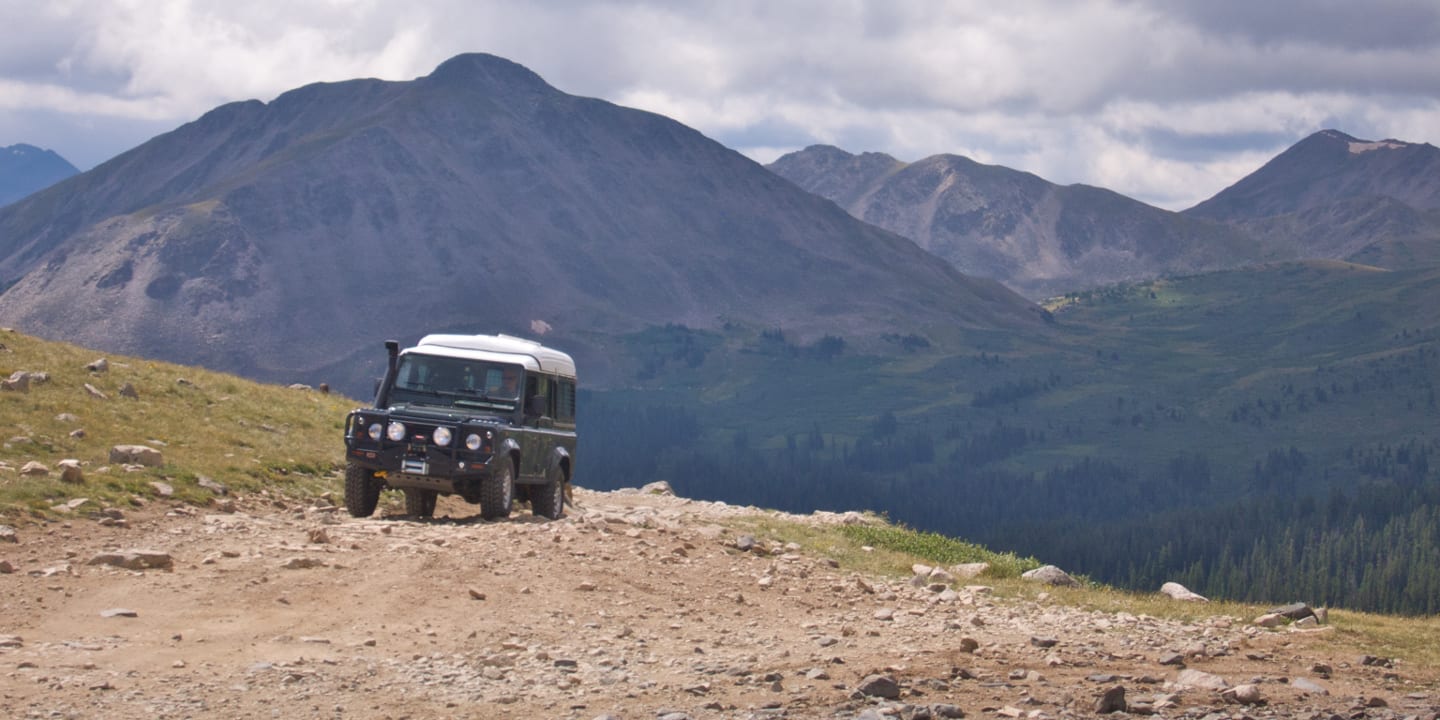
{"x": 498, "y": 348}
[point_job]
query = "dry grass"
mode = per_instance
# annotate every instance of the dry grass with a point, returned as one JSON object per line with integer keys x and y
{"x": 243, "y": 434}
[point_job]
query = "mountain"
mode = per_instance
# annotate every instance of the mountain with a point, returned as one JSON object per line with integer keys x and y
{"x": 26, "y": 168}
{"x": 1036, "y": 237}
{"x": 1335, "y": 196}
{"x": 284, "y": 240}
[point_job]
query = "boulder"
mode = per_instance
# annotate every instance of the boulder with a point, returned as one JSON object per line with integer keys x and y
{"x": 659, "y": 487}
{"x": 99, "y": 366}
{"x": 1051, "y": 575}
{"x": 1294, "y": 611}
{"x": 128, "y": 391}
{"x": 136, "y": 455}
{"x": 17, "y": 382}
{"x": 969, "y": 570}
{"x": 95, "y": 392}
{"x": 34, "y": 469}
{"x": 1180, "y": 592}
{"x": 1112, "y": 701}
{"x": 70, "y": 471}
{"x": 1270, "y": 620}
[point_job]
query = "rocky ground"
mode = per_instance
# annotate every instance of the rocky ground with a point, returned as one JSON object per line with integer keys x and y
{"x": 633, "y": 606}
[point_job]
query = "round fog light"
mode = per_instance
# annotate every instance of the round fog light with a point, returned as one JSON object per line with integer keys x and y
{"x": 442, "y": 436}
{"x": 375, "y": 431}
{"x": 472, "y": 441}
{"x": 396, "y": 432}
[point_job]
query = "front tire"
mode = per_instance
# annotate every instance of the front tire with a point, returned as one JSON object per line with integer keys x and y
{"x": 420, "y": 503}
{"x": 548, "y": 500}
{"x": 362, "y": 490}
{"x": 497, "y": 492}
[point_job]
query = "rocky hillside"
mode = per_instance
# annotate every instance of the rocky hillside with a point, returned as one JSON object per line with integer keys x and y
{"x": 1335, "y": 196}
{"x": 634, "y": 605}
{"x": 284, "y": 240}
{"x": 25, "y": 169}
{"x": 1036, "y": 237}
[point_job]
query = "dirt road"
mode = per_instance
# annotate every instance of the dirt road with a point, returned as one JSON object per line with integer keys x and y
{"x": 633, "y": 606}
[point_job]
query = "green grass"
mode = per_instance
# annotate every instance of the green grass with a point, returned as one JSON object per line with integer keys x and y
{"x": 245, "y": 435}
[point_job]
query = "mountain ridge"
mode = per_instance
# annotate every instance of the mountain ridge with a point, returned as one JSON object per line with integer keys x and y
{"x": 266, "y": 237}
{"x": 1036, "y": 237}
{"x": 25, "y": 169}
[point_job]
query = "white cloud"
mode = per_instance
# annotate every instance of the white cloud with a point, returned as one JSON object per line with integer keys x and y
{"x": 1164, "y": 102}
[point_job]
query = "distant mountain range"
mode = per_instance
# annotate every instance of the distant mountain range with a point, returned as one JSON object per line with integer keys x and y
{"x": 284, "y": 240}
{"x": 26, "y": 168}
{"x": 1330, "y": 196}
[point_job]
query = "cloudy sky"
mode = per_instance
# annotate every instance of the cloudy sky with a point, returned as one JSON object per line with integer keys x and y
{"x": 1168, "y": 102}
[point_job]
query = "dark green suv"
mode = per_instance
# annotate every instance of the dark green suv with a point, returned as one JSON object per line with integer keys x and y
{"x": 490, "y": 418}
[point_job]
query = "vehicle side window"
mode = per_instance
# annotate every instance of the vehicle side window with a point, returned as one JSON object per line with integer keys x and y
{"x": 565, "y": 402}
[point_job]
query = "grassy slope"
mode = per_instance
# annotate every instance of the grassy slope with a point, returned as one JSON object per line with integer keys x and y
{"x": 240, "y": 433}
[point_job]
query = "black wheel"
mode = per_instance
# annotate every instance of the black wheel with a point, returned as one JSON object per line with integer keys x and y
{"x": 548, "y": 500}
{"x": 362, "y": 490}
{"x": 497, "y": 492}
{"x": 420, "y": 503}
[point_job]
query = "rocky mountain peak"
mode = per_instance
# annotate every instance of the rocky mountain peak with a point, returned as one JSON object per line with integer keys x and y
{"x": 25, "y": 169}
{"x": 487, "y": 70}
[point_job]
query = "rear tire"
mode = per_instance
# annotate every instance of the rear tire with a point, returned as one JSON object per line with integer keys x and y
{"x": 497, "y": 492}
{"x": 548, "y": 500}
{"x": 362, "y": 490}
{"x": 420, "y": 503}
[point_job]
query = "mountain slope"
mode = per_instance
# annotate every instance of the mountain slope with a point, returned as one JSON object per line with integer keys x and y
{"x": 1036, "y": 237}
{"x": 284, "y": 240}
{"x": 26, "y": 168}
{"x": 1335, "y": 196}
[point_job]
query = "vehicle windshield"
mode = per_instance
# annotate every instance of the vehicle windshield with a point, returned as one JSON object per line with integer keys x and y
{"x": 447, "y": 381}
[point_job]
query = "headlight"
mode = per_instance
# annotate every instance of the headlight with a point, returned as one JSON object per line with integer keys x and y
{"x": 472, "y": 441}
{"x": 441, "y": 436}
{"x": 396, "y": 432}
{"x": 375, "y": 431}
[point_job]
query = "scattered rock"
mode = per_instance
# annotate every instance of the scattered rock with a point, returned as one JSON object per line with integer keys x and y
{"x": 128, "y": 391}
{"x": 882, "y": 686}
{"x": 1050, "y": 575}
{"x": 6, "y": 567}
{"x": 745, "y": 543}
{"x": 476, "y": 594}
{"x": 1203, "y": 680}
{"x": 11, "y": 641}
{"x": 1180, "y": 592}
{"x": 317, "y": 536}
{"x": 1243, "y": 694}
{"x": 1172, "y": 658}
{"x": 136, "y": 455}
{"x": 212, "y": 486}
{"x": 77, "y": 433}
{"x": 1111, "y": 701}
{"x": 299, "y": 386}
{"x": 7, "y": 534}
{"x": 163, "y": 489}
{"x": 1270, "y": 620}
{"x": 66, "y": 418}
{"x": 135, "y": 560}
{"x": 1043, "y": 642}
{"x": 99, "y": 366}
{"x": 95, "y": 392}
{"x": 1308, "y": 686}
{"x": 34, "y": 469}
{"x": 302, "y": 563}
{"x": 119, "y": 612}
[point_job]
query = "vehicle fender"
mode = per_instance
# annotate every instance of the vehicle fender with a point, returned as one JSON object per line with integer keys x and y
{"x": 509, "y": 450}
{"x": 559, "y": 457}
